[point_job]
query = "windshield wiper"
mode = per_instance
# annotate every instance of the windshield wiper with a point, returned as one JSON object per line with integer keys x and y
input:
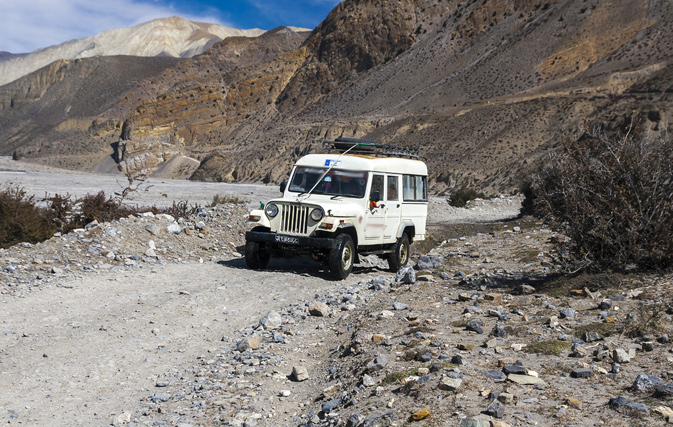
{"x": 335, "y": 196}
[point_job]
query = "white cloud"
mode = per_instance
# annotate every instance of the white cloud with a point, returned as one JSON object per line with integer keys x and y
{"x": 27, "y": 25}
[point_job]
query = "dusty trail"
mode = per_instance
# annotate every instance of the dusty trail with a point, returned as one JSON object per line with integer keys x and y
{"x": 85, "y": 353}
{"x": 86, "y": 350}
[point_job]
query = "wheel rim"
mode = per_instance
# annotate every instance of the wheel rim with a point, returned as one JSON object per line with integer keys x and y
{"x": 404, "y": 252}
{"x": 346, "y": 257}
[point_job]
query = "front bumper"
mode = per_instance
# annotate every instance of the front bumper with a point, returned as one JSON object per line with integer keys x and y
{"x": 289, "y": 240}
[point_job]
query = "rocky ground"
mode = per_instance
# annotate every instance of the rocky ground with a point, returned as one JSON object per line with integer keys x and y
{"x": 153, "y": 320}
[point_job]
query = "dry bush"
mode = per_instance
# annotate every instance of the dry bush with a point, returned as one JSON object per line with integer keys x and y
{"x": 613, "y": 196}
{"x": 21, "y": 220}
{"x": 460, "y": 197}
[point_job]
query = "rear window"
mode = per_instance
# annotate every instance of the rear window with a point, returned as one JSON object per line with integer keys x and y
{"x": 414, "y": 188}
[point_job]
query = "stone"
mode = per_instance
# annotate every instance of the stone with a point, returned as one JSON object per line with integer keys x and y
{"x": 514, "y": 369}
{"x": 591, "y": 336}
{"x": 574, "y": 403}
{"x": 450, "y": 384}
{"x": 428, "y": 262}
{"x": 271, "y": 320}
{"x": 386, "y": 314}
{"x": 665, "y": 412}
{"x": 465, "y": 346}
{"x": 567, "y": 313}
{"x": 378, "y": 363}
{"x": 400, "y": 306}
{"x": 406, "y": 274}
{"x": 150, "y": 253}
{"x": 582, "y": 373}
{"x": 495, "y": 374}
{"x": 319, "y": 309}
{"x": 525, "y": 379}
{"x": 636, "y": 408}
{"x": 552, "y": 321}
{"x": 174, "y": 228}
{"x": 605, "y": 305}
{"x": 616, "y": 402}
{"x": 491, "y": 343}
{"x": 474, "y": 422}
{"x": 285, "y": 393}
{"x": 378, "y": 338}
{"x": 475, "y": 325}
{"x": 465, "y": 296}
{"x": 620, "y": 356}
{"x": 421, "y": 414}
{"x": 664, "y": 390}
{"x": 648, "y": 345}
{"x": 300, "y": 373}
{"x": 331, "y": 391}
{"x": 493, "y": 296}
{"x": 644, "y": 382}
{"x": 368, "y": 381}
{"x": 331, "y": 405}
{"x": 495, "y": 409}
{"x": 526, "y": 290}
{"x": 506, "y": 398}
{"x": 499, "y": 424}
{"x": 252, "y": 342}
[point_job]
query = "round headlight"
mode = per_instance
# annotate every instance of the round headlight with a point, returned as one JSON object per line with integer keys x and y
{"x": 271, "y": 210}
{"x": 317, "y": 214}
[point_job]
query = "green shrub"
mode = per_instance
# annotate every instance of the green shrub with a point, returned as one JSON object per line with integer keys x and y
{"x": 460, "y": 197}
{"x": 613, "y": 196}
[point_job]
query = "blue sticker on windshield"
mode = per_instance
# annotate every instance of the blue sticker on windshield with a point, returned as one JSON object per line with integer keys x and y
{"x": 332, "y": 162}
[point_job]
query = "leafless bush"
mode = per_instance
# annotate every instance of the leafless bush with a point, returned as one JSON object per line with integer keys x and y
{"x": 21, "y": 219}
{"x": 613, "y": 196}
{"x": 460, "y": 197}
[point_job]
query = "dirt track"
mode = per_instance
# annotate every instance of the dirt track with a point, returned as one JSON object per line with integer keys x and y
{"x": 86, "y": 348}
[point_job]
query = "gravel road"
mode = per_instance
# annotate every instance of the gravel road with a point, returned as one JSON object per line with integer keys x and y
{"x": 86, "y": 349}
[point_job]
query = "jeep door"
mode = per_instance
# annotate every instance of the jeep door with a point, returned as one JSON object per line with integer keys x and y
{"x": 374, "y": 221}
{"x": 393, "y": 209}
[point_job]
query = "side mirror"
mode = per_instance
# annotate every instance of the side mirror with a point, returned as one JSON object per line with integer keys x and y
{"x": 376, "y": 196}
{"x": 283, "y": 185}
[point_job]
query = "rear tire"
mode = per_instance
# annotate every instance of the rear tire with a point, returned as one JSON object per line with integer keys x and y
{"x": 400, "y": 255}
{"x": 342, "y": 256}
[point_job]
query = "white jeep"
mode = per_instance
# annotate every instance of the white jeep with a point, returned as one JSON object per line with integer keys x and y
{"x": 367, "y": 198}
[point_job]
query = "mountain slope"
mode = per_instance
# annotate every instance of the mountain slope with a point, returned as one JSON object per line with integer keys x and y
{"x": 175, "y": 37}
{"x": 485, "y": 89}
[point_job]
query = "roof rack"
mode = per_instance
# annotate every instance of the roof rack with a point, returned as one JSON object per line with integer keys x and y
{"x": 366, "y": 146}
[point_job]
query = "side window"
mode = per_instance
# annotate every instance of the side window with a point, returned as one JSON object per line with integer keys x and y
{"x": 414, "y": 188}
{"x": 392, "y": 190}
{"x": 377, "y": 188}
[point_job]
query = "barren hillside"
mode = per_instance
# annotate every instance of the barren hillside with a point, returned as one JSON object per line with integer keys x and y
{"x": 484, "y": 88}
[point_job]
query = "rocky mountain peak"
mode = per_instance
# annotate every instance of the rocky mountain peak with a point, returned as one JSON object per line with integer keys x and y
{"x": 174, "y": 37}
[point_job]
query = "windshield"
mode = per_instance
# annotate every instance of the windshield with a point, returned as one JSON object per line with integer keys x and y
{"x": 335, "y": 183}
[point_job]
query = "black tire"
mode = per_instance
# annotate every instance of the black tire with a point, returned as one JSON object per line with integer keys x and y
{"x": 400, "y": 254}
{"x": 342, "y": 256}
{"x": 256, "y": 255}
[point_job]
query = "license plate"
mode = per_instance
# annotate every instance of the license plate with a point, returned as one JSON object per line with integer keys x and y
{"x": 287, "y": 240}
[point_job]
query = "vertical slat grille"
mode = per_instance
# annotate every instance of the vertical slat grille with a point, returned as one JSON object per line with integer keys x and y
{"x": 293, "y": 219}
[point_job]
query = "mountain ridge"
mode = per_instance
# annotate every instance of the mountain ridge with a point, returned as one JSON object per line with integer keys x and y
{"x": 486, "y": 90}
{"x": 175, "y": 37}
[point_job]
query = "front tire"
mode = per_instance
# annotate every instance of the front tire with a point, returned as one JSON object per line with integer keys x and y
{"x": 400, "y": 254}
{"x": 342, "y": 256}
{"x": 256, "y": 255}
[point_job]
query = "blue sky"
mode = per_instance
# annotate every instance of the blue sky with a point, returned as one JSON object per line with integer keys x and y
{"x": 27, "y": 25}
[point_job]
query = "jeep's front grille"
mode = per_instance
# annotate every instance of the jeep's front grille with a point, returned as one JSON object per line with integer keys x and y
{"x": 293, "y": 219}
